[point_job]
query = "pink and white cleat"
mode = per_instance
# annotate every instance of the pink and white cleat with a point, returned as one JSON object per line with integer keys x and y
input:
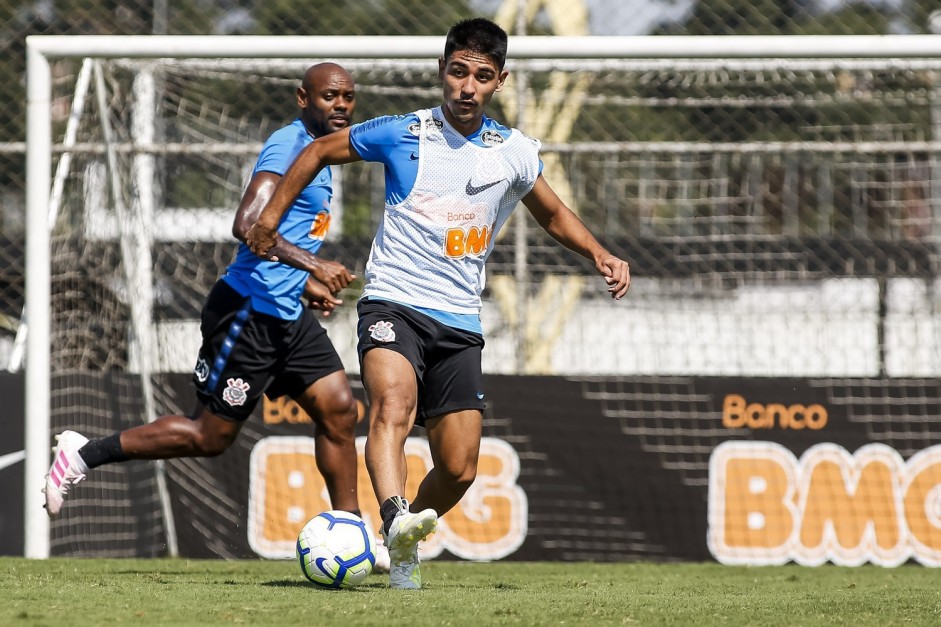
{"x": 67, "y": 469}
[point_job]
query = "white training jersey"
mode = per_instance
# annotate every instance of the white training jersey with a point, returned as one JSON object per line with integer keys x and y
{"x": 430, "y": 248}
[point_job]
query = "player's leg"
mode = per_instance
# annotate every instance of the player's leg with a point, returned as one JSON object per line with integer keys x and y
{"x": 231, "y": 374}
{"x": 330, "y": 404}
{"x": 165, "y": 438}
{"x": 454, "y": 440}
{"x": 453, "y": 400}
{"x": 206, "y": 435}
{"x": 391, "y": 345}
{"x": 393, "y": 392}
{"x": 451, "y": 395}
{"x": 392, "y": 389}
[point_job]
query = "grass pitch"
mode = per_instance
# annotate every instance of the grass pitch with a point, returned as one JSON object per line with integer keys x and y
{"x": 186, "y": 592}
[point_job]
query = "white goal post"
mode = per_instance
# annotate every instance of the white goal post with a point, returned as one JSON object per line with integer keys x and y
{"x": 42, "y": 50}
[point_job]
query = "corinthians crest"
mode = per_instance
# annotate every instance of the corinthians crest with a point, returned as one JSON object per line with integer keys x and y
{"x": 382, "y": 332}
{"x": 236, "y": 392}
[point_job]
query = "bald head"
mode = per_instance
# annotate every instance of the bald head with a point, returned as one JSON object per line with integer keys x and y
{"x": 327, "y": 97}
{"x": 323, "y": 73}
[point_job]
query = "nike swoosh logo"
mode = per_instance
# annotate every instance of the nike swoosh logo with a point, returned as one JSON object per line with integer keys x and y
{"x": 413, "y": 156}
{"x": 471, "y": 190}
{"x": 11, "y": 458}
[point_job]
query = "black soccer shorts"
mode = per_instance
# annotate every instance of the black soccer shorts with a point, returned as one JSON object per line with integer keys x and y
{"x": 246, "y": 354}
{"x": 446, "y": 360}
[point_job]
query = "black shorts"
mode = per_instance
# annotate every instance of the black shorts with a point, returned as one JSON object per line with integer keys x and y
{"x": 245, "y": 354}
{"x": 446, "y": 360}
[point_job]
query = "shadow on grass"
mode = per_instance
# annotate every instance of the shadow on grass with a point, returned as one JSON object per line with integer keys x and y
{"x": 471, "y": 585}
{"x": 159, "y": 572}
{"x": 383, "y": 585}
{"x": 292, "y": 583}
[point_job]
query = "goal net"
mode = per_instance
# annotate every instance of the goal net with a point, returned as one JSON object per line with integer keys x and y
{"x": 780, "y": 216}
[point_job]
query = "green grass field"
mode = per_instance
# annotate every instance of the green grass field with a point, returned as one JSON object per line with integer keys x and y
{"x": 183, "y": 592}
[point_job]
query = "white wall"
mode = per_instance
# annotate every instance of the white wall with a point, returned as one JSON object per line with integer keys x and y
{"x": 821, "y": 329}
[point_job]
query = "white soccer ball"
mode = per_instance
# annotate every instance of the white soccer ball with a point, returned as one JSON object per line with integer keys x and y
{"x": 336, "y": 550}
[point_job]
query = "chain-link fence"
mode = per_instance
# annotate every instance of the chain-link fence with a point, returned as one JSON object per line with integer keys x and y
{"x": 893, "y": 178}
{"x": 781, "y": 216}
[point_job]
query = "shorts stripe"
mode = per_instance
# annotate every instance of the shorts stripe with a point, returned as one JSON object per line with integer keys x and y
{"x": 227, "y": 344}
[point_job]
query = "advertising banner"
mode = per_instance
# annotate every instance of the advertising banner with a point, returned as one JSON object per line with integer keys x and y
{"x": 739, "y": 470}
{"x": 11, "y": 463}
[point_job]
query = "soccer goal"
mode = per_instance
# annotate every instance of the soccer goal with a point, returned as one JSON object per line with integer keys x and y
{"x": 779, "y": 199}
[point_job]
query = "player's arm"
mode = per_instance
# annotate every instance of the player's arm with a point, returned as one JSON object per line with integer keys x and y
{"x": 319, "y": 297}
{"x": 261, "y": 188}
{"x": 564, "y": 226}
{"x": 332, "y": 149}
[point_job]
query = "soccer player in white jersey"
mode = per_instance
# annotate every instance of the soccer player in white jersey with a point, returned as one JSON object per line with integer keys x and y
{"x": 453, "y": 176}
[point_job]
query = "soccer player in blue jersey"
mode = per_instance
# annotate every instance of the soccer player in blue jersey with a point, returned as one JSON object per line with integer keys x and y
{"x": 453, "y": 176}
{"x": 258, "y": 338}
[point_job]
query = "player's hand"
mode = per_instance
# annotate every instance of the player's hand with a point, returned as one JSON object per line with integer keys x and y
{"x": 319, "y": 297}
{"x": 616, "y": 273}
{"x": 333, "y": 274}
{"x": 260, "y": 239}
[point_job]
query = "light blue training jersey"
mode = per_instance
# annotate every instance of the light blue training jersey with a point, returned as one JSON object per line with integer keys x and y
{"x": 276, "y": 288}
{"x": 395, "y": 141}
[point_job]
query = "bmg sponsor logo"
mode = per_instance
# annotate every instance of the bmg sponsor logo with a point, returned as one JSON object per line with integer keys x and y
{"x": 286, "y": 490}
{"x": 767, "y": 506}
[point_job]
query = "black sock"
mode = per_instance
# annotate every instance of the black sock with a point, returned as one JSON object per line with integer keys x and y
{"x": 389, "y": 508}
{"x": 103, "y": 451}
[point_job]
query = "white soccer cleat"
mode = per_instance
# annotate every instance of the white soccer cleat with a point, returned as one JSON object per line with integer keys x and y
{"x": 67, "y": 469}
{"x": 405, "y": 574}
{"x": 406, "y": 532}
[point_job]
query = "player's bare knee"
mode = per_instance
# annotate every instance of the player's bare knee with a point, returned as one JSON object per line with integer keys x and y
{"x": 390, "y": 412}
{"x": 460, "y": 475}
{"x": 343, "y": 413}
{"x": 462, "y": 483}
{"x": 338, "y": 420}
{"x": 211, "y": 443}
{"x": 333, "y": 408}
{"x": 182, "y": 437}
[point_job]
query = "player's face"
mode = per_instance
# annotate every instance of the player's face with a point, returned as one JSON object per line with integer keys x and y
{"x": 470, "y": 79}
{"x": 327, "y": 102}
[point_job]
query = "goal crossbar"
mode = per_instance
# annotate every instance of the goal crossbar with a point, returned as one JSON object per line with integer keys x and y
{"x": 526, "y": 47}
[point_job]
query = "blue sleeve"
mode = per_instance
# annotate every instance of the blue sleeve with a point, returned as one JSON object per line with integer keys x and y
{"x": 279, "y": 153}
{"x": 390, "y": 140}
{"x": 375, "y": 139}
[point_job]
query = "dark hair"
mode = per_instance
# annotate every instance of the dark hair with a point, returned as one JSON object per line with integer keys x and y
{"x": 479, "y": 35}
